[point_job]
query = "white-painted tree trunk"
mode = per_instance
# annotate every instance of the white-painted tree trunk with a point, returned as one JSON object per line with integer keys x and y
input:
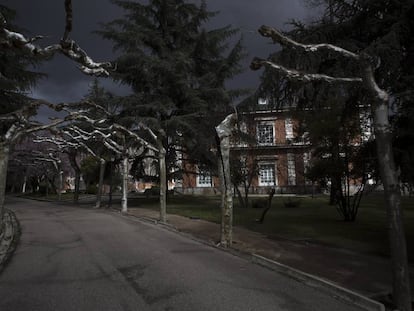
{"x": 224, "y": 130}
{"x": 100, "y": 185}
{"x": 4, "y": 160}
{"x": 24, "y": 184}
{"x": 163, "y": 180}
{"x": 392, "y": 191}
{"x": 124, "y": 200}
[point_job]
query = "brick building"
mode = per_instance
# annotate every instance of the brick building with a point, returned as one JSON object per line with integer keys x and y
{"x": 274, "y": 156}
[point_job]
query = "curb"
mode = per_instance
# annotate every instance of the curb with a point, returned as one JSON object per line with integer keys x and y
{"x": 337, "y": 291}
{"x": 10, "y": 237}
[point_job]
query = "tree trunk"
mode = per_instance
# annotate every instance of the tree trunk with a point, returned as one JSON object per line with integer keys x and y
{"x": 100, "y": 186}
{"x": 124, "y": 200}
{"x": 111, "y": 171}
{"x": 77, "y": 187}
{"x": 75, "y": 166}
{"x": 163, "y": 180}
{"x": 269, "y": 205}
{"x": 221, "y": 176}
{"x": 60, "y": 188}
{"x": 224, "y": 130}
{"x": 4, "y": 160}
{"x": 24, "y": 184}
{"x": 242, "y": 201}
{"x": 389, "y": 177}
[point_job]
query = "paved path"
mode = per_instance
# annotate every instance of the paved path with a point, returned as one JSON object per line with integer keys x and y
{"x": 365, "y": 274}
{"x": 82, "y": 259}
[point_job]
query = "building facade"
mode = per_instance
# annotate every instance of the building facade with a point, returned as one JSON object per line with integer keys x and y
{"x": 269, "y": 154}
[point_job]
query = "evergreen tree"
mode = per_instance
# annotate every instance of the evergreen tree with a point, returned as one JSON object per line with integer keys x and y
{"x": 177, "y": 70}
{"x": 15, "y": 76}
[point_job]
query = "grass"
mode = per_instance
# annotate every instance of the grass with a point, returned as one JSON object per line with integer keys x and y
{"x": 313, "y": 220}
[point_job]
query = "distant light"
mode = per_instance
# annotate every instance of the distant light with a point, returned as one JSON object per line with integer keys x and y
{"x": 262, "y": 101}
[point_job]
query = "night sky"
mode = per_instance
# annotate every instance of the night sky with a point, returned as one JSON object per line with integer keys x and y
{"x": 65, "y": 83}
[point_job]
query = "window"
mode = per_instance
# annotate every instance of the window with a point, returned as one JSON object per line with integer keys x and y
{"x": 291, "y": 168}
{"x": 267, "y": 175}
{"x": 306, "y": 161}
{"x": 204, "y": 179}
{"x": 289, "y": 128}
{"x": 265, "y": 134}
{"x": 366, "y": 126}
{"x": 306, "y": 165}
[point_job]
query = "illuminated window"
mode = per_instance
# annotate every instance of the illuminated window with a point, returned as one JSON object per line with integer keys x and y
{"x": 265, "y": 134}
{"x": 204, "y": 179}
{"x": 291, "y": 168}
{"x": 267, "y": 175}
{"x": 289, "y": 128}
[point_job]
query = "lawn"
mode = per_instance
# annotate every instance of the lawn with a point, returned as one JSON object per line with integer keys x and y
{"x": 314, "y": 220}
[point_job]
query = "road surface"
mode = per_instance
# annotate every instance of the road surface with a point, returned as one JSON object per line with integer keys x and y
{"x": 72, "y": 258}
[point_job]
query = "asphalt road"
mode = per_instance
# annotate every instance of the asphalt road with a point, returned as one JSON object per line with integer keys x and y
{"x": 72, "y": 258}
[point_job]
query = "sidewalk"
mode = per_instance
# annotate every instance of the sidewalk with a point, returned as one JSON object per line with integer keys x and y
{"x": 366, "y": 275}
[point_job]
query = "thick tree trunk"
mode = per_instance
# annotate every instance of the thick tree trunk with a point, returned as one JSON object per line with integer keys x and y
{"x": 398, "y": 247}
{"x": 100, "y": 185}
{"x": 4, "y": 160}
{"x": 224, "y": 130}
{"x": 389, "y": 177}
{"x": 163, "y": 180}
{"x": 124, "y": 200}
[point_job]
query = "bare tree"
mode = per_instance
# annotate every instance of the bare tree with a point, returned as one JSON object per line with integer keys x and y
{"x": 112, "y": 135}
{"x": 380, "y": 114}
{"x": 20, "y": 120}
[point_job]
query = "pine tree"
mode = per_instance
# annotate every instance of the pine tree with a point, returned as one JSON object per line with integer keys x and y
{"x": 15, "y": 76}
{"x": 177, "y": 70}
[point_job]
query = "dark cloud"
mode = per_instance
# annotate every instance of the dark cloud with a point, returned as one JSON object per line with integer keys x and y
{"x": 66, "y": 83}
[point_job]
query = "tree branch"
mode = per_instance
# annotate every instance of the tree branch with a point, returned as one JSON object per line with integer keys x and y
{"x": 283, "y": 40}
{"x": 296, "y": 75}
{"x": 67, "y": 47}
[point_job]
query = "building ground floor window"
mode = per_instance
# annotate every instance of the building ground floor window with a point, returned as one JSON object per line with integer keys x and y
{"x": 267, "y": 174}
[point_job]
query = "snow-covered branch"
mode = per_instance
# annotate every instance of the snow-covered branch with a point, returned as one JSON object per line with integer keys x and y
{"x": 296, "y": 75}
{"x": 278, "y": 37}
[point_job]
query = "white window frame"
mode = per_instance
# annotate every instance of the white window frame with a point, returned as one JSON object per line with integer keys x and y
{"x": 289, "y": 128}
{"x": 271, "y": 126}
{"x": 273, "y": 180}
{"x": 291, "y": 169}
{"x": 204, "y": 179}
